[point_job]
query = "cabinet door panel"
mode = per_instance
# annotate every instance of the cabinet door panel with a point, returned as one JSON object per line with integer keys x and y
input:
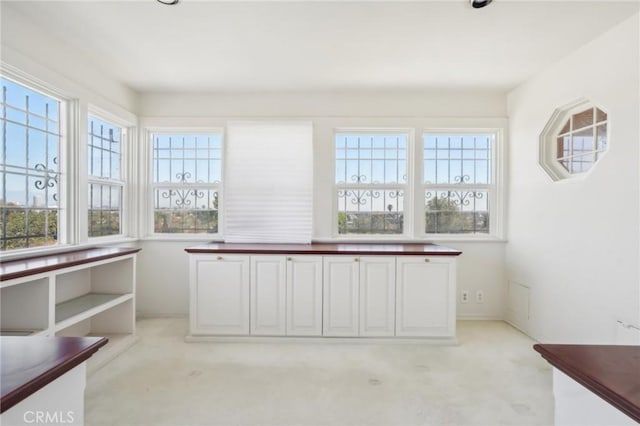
{"x": 268, "y": 295}
{"x": 304, "y": 296}
{"x": 425, "y": 293}
{"x": 340, "y": 296}
{"x": 220, "y": 295}
{"x": 377, "y": 296}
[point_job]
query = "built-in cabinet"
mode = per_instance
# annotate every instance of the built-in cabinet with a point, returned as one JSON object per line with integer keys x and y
{"x": 341, "y": 295}
{"x": 269, "y": 295}
{"x": 377, "y": 296}
{"x": 359, "y": 296}
{"x": 329, "y": 295}
{"x": 260, "y": 295}
{"x": 422, "y": 285}
{"x": 304, "y": 296}
{"x": 220, "y": 295}
{"x": 85, "y": 293}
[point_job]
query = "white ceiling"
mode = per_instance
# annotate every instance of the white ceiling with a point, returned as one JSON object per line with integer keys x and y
{"x": 322, "y": 45}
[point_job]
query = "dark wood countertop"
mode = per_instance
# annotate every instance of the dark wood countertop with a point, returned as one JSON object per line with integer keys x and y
{"x": 48, "y": 358}
{"x": 611, "y": 372}
{"x": 325, "y": 248}
{"x": 34, "y": 265}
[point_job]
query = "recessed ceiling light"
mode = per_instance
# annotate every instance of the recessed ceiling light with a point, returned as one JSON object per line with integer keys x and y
{"x": 168, "y": 2}
{"x": 479, "y": 4}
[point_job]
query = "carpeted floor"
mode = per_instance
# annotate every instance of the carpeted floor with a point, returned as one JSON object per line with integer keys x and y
{"x": 493, "y": 377}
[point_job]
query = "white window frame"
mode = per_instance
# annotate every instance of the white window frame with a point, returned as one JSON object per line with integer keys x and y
{"x": 496, "y": 190}
{"x": 125, "y": 174}
{"x": 408, "y": 220}
{"x": 547, "y": 156}
{"x": 65, "y": 176}
{"x": 149, "y": 221}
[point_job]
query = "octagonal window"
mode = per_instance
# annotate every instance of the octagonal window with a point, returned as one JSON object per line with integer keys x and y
{"x": 574, "y": 140}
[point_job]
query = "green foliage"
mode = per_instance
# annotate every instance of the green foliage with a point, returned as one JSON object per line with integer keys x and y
{"x": 379, "y": 223}
{"x": 24, "y": 228}
{"x": 104, "y": 222}
{"x": 444, "y": 216}
{"x": 342, "y": 222}
{"x": 186, "y": 221}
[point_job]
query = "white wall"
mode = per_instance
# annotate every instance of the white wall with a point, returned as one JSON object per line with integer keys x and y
{"x": 163, "y": 287}
{"x": 339, "y": 104}
{"x": 575, "y": 243}
{"x": 26, "y": 47}
{"x": 35, "y": 58}
{"x": 162, "y": 267}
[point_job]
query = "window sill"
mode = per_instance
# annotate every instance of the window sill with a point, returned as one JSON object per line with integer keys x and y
{"x": 184, "y": 237}
{"x": 453, "y": 239}
{"x": 113, "y": 239}
{"x": 421, "y": 240}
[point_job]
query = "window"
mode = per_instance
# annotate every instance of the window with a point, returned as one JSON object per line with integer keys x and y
{"x": 30, "y": 175}
{"x": 371, "y": 182}
{"x": 582, "y": 140}
{"x": 187, "y": 176}
{"x": 106, "y": 183}
{"x": 459, "y": 188}
{"x": 574, "y": 140}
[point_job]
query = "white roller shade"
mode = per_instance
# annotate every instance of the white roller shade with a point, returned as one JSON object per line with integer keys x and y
{"x": 268, "y": 184}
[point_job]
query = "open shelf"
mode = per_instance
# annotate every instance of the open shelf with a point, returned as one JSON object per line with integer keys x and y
{"x": 24, "y": 308}
{"x": 86, "y": 292}
{"x": 86, "y": 306}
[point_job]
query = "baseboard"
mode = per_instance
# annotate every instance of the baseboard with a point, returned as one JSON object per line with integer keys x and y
{"x": 526, "y": 333}
{"x": 146, "y": 315}
{"x": 470, "y": 317}
{"x": 433, "y": 341}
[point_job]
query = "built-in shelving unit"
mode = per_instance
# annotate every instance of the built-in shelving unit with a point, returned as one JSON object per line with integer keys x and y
{"x": 25, "y": 307}
{"x": 82, "y": 293}
{"x": 86, "y": 306}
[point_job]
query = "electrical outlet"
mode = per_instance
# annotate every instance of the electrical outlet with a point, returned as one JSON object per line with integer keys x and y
{"x": 479, "y": 296}
{"x": 464, "y": 296}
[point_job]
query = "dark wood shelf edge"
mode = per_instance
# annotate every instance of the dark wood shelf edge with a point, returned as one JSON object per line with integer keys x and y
{"x": 604, "y": 392}
{"x": 14, "y": 397}
{"x": 325, "y": 249}
{"x": 65, "y": 264}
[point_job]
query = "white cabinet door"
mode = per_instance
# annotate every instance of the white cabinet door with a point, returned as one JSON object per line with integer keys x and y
{"x": 377, "y": 296}
{"x": 425, "y": 296}
{"x": 304, "y": 295}
{"x": 340, "y": 296}
{"x": 268, "y": 295}
{"x": 220, "y": 294}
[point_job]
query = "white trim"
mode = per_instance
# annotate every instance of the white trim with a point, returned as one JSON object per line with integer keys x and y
{"x": 122, "y": 183}
{"x": 393, "y": 340}
{"x": 476, "y": 317}
{"x": 547, "y": 148}
{"x": 496, "y": 189}
{"x": 147, "y": 187}
{"x": 66, "y": 179}
{"x": 196, "y": 238}
{"x": 110, "y": 117}
{"x": 408, "y": 187}
{"x": 69, "y": 163}
{"x": 18, "y": 76}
